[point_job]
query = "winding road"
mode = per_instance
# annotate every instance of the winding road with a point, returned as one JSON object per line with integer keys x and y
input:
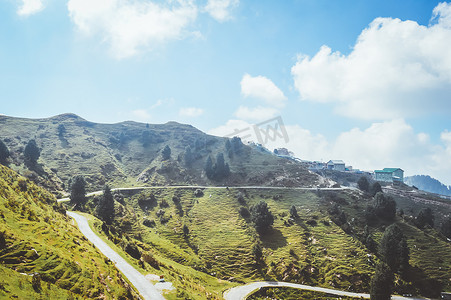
{"x": 241, "y": 292}
{"x": 144, "y": 287}
{"x": 215, "y": 187}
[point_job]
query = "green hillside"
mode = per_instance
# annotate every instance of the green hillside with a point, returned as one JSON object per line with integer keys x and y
{"x": 42, "y": 254}
{"x": 129, "y": 153}
{"x": 311, "y": 250}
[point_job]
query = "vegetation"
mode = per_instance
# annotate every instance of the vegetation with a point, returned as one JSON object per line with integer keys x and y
{"x": 31, "y": 153}
{"x": 261, "y": 217}
{"x": 166, "y": 153}
{"x": 393, "y": 248}
{"x": 44, "y": 256}
{"x": 105, "y": 208}
{"x": 425, "y": 217}
{"x": 382, "y": 283}
{"x": 78, "y": 191}
{"x": 4, "y": 153}
{"x": 363, "y": 184}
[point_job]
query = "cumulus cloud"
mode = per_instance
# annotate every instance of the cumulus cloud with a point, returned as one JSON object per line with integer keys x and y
{"x": 132, "y": 26}
{"x": 258, "y": 113}
{"x": 396, "y": 69}
{"x": 191, "y": 112}
{"x": 220, "y": 9}
{"x": 30, "y": 7}
{"x": 262, "y": 88}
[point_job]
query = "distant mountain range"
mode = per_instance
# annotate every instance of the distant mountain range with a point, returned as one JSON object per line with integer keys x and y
{"x": 428, "y": 184}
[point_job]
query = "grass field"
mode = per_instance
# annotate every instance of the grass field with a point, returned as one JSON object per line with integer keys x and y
{"x": 36, "y": 239}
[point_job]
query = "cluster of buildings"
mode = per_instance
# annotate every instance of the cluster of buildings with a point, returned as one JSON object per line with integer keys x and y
{"x": 384, "y": 175}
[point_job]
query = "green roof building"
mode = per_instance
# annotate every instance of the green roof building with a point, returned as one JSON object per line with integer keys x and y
{"x": 389, "y": 175}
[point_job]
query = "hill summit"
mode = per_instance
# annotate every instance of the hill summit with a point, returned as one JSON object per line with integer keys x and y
{"x": 130, "y": 153}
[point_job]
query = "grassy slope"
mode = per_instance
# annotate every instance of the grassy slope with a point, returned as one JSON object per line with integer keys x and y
{"x": 121, "y": 153}
{"x": 220, "y": 242}
{"x": 40, "y": 240}
{"x": 313, "y": 250}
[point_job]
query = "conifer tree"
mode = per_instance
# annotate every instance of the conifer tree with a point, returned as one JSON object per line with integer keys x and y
{"x": 105, "y": 208}
{"x": 4, "y": 153}
{"x": 381, "y": 285}
{"x": 31, "y": 153}
{"x": 78, "y": 191}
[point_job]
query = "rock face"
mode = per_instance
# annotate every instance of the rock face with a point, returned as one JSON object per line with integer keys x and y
{"x": 123, "y": 153}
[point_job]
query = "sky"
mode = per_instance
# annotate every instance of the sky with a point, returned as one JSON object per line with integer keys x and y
{"x": 368, "y": 82}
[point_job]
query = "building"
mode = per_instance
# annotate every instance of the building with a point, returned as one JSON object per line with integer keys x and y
{"x": 389, "y": 175}
{"x": 337, "y": 165}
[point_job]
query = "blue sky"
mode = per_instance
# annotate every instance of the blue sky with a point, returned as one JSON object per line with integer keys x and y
{"x": 363, "y": 81}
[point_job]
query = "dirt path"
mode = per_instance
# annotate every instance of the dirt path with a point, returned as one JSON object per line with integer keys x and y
{"x": 144, "y": 287}
{"x": 241, "y": 292}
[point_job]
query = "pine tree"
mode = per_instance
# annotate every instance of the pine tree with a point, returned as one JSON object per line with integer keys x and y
{"x": 425, "y": 217}
{"x": 209, "y": 168}
{"x": 105, "y": 208}
{"x": 262, "y": 217}
{"x": 166, "y": 153}
{"x": 188, "y": 157}
{"x": 4, "y": 153}
{"x": 376, "y": 188}
{"x": 294, "y": 212}
{"x": 78, "y": 191}
{"x": 382, "y": 283}
{"x": 393, "y": 248}
{"x": 363, "y": 184}
{"x": 385, "y": 206}
{"x": 31, "y": 153}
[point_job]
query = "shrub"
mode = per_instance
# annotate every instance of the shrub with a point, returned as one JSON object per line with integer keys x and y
{"x": 150, "y": 259}
{"x": 36, "y": 282}
{"x": 244, "y": 212}
{"x": 198, "y": 193}
{"x": 261, "y": 217}
{"x": 240, "y": 198}
{"x": 149, "y": 223}
{"x": 132, "y": 250}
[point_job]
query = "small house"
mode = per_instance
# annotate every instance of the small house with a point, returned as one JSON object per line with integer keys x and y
{"x": 389, "y": 175}
{"x": 337, "y": 165}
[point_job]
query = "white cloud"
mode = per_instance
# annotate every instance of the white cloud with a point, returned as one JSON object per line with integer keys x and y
{"x": 220, "y": 9}
{"x": 132, "y": 26}
{"x": 191, "y": 112}
{"x": 30, "y": 7}
{"x": 258, "y": 113}
{"x": 263, "y": 88}
{"x": 396, "y": 69}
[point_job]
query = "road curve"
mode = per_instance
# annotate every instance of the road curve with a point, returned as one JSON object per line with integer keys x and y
{"x": 216, "y": 187}
{"x": 241, "y": 292}
{"x": 144, "y": 287}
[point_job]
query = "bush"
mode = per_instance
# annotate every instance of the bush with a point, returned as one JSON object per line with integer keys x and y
{"x": 244, "y": 212}
{"x": 363, "y": 184}
{"x": 240, "y": 198}
{"x": 150, "y": 259}
{"x": 149, "y": 223}
{"x": 132, "y": 250}
{"x": 164, "y": 203}
{"x": 36, "y": 282}
{"x": 198, "y": 193}
{"x": 261, "y": 217}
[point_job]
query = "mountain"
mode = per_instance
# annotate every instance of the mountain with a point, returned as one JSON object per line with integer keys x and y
{"x": 428, "y": 184}
{"x": 42, "y": 254}
{"x": 129, "y": 153}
